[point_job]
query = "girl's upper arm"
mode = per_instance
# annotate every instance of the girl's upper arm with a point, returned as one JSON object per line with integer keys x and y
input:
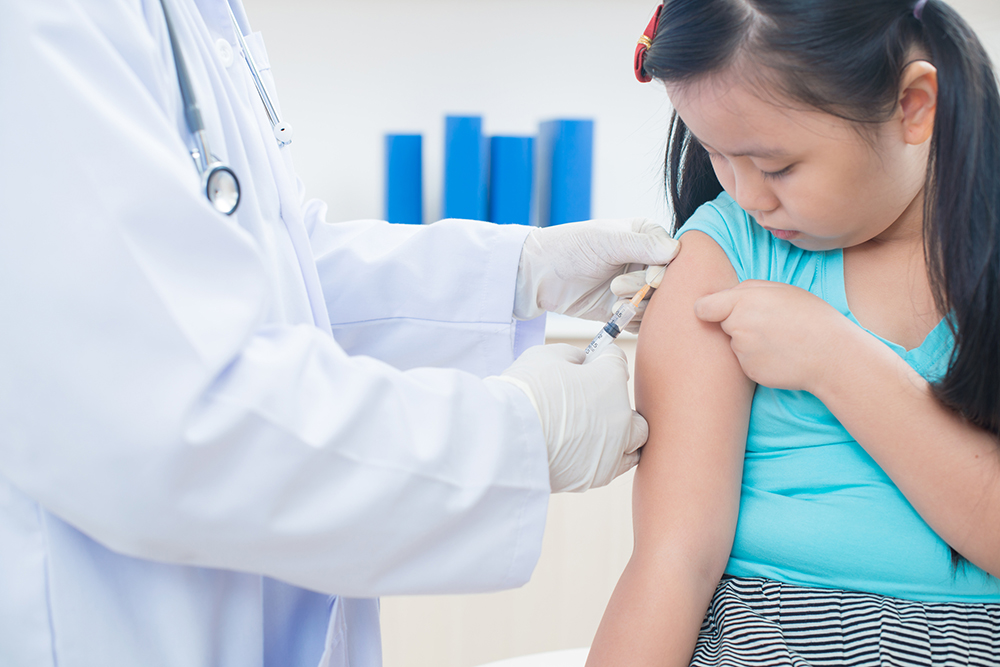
{"x": 690, "y": 388}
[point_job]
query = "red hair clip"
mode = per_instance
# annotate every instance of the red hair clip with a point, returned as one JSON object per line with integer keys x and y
{"x": 645, "y": 42}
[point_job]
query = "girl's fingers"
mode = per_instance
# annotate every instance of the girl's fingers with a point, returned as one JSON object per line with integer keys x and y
{"x": 716, "y": 307}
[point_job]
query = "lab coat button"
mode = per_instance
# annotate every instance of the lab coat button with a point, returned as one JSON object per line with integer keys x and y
{"x": 225, "y": 50}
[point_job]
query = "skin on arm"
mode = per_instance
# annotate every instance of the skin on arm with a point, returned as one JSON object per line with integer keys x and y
{"x": 690, "y": 388}
{"x": 947, "y": 468}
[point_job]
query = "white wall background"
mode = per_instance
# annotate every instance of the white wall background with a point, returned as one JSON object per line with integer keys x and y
{"x": 347, "y": 72}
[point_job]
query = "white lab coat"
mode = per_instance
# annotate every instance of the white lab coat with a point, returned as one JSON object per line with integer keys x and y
{"x": 193, "y": 471}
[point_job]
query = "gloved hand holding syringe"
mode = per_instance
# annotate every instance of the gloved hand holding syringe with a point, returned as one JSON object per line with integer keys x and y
{"x": 623, "y": 315}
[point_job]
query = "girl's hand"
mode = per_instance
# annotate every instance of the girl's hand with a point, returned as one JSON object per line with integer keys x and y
{"x": 783, "y": 336}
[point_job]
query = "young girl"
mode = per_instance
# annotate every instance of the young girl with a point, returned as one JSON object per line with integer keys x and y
{"x": 820, "y": 366}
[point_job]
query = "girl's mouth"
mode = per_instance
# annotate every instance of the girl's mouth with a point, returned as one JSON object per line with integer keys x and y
{"x": 783, "y": 234}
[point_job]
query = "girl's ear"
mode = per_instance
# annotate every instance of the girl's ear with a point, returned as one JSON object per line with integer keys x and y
{"x": 918, "y": 101}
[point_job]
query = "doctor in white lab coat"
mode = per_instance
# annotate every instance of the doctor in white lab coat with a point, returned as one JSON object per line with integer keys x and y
{"x": 193, "y": 471}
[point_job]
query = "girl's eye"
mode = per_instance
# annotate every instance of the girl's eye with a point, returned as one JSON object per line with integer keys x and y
{"x": 712, "y": 155}
{"x": 777, "y": 174}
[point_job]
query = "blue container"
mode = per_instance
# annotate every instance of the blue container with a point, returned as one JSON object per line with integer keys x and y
{"x": 404, "y": 186}
{"x": 511, "y": 172}
{"x": 565, "y": 166}
{"x": 465, "y": 166}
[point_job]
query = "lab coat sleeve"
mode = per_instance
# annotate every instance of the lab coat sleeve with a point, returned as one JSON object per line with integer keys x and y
{"x": 146, "y": 399}
{"x": 452, "y": 298}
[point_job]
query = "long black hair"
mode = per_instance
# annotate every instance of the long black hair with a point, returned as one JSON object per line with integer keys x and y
{"x": 846, "y": 57}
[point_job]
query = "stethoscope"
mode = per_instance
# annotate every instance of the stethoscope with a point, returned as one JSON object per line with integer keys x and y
{"x": 218, "y": 181}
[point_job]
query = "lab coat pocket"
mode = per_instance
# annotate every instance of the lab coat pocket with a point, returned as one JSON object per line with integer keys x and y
{"x": 335, "y": 651}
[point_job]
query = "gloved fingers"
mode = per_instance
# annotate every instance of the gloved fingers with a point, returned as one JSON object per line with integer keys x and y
{"x": 628, "y": 462}
{"x": 594, "y": 304}
{"x": 654, "y": 275}
{"x": 638, "y": 434}
{"x": 623, "y": 461}
{"x": 552, "y": 351}
{"x": 627, "y": 284}
{"x": 612, "y": 358}
{"x": 567, "y": 352}
{"x": 632, "y": 268}
{"x": 634, "y": 326}
{"x": 569, "y": 268}
{"x": 633, "y": 240}
{"x": 648, "y": 226}
{"x": 654, "y": 245}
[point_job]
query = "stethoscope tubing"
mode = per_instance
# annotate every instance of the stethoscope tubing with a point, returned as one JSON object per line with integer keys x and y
{"x": 192, "y": 114}
{"x": 272, "y": 115}
{"x": 219, "y": 182}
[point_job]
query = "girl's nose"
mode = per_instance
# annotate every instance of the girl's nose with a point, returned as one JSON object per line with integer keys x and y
{"x": 753, "y": 194}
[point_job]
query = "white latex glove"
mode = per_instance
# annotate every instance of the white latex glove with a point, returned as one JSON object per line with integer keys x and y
{"x": 569, "y": 268}
{"x": 591, "y": 432}
{"x": 625, "y": 286}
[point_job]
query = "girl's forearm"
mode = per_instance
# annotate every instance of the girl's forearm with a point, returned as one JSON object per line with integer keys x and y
{"x": 948, "y": 469}
{"x": 653, "y": 618}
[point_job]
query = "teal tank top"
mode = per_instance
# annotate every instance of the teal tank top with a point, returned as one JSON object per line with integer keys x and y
{"x": 815, "y": 509}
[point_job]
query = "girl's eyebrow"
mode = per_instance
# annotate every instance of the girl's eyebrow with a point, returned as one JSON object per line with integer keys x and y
{"x": 751, "y": 151}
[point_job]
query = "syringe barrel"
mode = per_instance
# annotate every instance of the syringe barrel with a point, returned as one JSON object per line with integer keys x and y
{"x": 611, "y": 330}
{"x": 621, "y": 318}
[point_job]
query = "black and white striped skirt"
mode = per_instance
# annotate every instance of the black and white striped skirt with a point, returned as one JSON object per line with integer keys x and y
{"x": 762, "y": 622}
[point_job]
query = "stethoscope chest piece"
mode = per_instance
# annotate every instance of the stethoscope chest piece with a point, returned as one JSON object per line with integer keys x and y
{"x": 219, "y": 182}
{"x": 222, "y": 188}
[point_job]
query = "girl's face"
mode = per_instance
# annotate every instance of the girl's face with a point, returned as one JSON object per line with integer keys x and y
{"x": 806, "y": 176}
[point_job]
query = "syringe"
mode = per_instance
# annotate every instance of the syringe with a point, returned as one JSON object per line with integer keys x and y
{"x": 616, "y": 324}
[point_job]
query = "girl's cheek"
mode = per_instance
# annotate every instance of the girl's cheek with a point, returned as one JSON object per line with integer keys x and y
{"x": 724, "y": 172}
